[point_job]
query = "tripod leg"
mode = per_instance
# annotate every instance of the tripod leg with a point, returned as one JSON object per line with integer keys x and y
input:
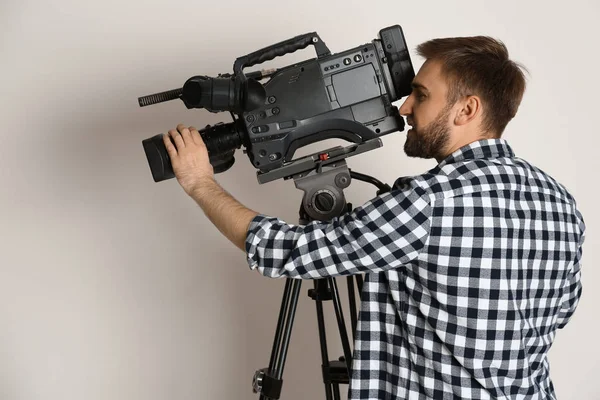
{"x": 323, "y": 337}
{"x": 287, "y": 331}
{"x": 336, "y": 392}
{"x": 359, "y": 283}
{"x": 352, "y": 301}
{"x": 269, "y": 383}
{"x": 337, "y": 305}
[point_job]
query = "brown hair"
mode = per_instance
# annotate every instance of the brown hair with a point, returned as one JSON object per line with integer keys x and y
{"x": 479, "y": 65}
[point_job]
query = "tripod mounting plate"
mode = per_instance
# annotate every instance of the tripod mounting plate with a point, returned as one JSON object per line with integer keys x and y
{"x": 316, "y": 160}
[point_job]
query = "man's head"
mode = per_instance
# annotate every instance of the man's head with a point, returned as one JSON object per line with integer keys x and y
{"x": 467, "y": 89}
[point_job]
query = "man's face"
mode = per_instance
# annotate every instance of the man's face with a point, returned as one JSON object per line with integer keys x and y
{"x": 427, "y": 111}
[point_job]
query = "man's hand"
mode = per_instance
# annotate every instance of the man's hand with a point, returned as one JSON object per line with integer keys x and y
{"x": 189, "y": 157}
{"x": 195, "y": 174}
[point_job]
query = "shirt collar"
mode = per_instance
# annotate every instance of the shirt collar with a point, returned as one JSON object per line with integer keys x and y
{"x": 485, "y": 148}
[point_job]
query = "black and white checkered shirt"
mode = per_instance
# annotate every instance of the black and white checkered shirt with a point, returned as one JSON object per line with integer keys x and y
{"x": 469, "y": 269}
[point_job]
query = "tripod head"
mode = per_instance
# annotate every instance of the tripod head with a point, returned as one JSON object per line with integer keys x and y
{"x": 322, "y": 176}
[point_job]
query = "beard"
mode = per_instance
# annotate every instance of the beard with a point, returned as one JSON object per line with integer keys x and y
{"x": 430, "y": 141}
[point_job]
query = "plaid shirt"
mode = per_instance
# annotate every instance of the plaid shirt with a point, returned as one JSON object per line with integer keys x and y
{"x": 469, "y": 269}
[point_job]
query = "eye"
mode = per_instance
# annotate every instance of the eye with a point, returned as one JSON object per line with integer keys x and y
{"x": 420, "y": 96}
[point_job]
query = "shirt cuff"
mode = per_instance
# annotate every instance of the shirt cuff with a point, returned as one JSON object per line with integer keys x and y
{"x": 256, "y": 232}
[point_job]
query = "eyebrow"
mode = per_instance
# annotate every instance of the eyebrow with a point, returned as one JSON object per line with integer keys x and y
{"x": 417, "y": 85}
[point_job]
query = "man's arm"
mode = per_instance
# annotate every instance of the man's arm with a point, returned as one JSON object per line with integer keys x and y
{"x": 229, "y": 216}
{"x": 573, "y": 288}
{"x": 191, "y": 165}
{"x": 387, "y": 232}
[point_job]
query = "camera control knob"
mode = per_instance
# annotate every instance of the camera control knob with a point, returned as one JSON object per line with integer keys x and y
{"x": 324, "y": 201}
{"x": 342, "y": 180}
{"x": 257, "y": 380}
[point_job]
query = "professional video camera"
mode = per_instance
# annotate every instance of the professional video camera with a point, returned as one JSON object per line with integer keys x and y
{"x": 346, "y": 95}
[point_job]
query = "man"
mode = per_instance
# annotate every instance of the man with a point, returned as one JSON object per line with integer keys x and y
{"x": 470, "y": 268}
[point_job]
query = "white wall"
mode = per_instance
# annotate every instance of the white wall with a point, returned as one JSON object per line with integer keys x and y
{"x": 116, "y": 287}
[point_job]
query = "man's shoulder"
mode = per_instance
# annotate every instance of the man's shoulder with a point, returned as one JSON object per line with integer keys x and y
{"x": 544, "y": 181}
{"x": 449, "y": 180}
{"x": 474, "y": 176}
{"x": 470, "y": 176}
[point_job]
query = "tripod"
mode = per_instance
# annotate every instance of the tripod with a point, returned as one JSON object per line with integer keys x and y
{"x": 323, "y": 199}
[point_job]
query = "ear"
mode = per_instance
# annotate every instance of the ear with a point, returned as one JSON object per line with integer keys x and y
{"x": 469, "y": 109}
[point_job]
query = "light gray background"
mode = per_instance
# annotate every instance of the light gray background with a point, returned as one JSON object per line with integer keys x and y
{"x": 116, "y": 287}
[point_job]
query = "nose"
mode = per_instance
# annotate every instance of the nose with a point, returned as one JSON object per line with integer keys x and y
{"x": 406, "y": 108}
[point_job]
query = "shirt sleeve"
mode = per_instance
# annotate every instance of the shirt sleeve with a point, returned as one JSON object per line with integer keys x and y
{"x": 573, "y": 287}
{"x": 384, "y": 233}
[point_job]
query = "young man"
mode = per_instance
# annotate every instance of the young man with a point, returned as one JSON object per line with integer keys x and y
{"x": 470, "y": 268}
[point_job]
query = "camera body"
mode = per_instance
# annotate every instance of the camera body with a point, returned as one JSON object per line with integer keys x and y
{"x": 346, "y": 95}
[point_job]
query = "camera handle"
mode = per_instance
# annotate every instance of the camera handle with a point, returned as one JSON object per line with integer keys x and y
{"x": 280, "y": 49}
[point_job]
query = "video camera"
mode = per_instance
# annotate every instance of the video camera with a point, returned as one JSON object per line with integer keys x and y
{"x": 345, "y": 95}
